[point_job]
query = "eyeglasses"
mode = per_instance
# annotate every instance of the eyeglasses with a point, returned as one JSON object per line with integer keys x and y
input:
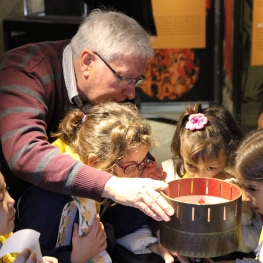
{"x": 131, "y": 168}
{"x": 124, "y": 81}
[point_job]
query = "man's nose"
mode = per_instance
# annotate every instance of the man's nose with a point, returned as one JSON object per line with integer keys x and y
{"x": 129, "y": 91}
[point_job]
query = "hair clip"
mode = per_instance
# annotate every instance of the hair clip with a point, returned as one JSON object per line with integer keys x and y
{"x": 196, "y": 122}
{"x": 84, "y": 118}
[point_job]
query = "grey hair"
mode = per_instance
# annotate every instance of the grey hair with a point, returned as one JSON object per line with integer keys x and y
{"x": 113, "y": 35}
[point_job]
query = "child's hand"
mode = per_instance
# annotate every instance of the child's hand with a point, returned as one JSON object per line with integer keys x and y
{"x": 152, "y": 171}
{"x": 50, "y": 260}
{"x": 158, "y": 249}
{"x": 27, "y": 256}
{"x": 87, "y": 247}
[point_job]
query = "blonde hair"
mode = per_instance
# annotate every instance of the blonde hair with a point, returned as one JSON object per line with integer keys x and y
{"x": 220, "y": 133}
{"x": 108, "y": 130}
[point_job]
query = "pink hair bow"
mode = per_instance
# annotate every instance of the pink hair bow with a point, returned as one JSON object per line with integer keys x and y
{"x": 196, "y": 122}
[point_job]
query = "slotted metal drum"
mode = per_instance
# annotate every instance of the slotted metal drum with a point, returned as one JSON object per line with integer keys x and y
{"x": 207, "y": 219}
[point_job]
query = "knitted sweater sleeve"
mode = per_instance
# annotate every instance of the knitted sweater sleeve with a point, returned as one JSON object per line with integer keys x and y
{"x": 31, "y": 94}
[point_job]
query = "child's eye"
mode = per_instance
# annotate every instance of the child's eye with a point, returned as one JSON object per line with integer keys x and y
{"x": 2, "y": 194}
{"x": 190, "y": 165}
{"x": 211, "y": 168}
{"x": 249, "y": 188}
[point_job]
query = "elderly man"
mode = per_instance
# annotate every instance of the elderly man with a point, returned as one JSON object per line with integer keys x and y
{"x": 39, "y": 82}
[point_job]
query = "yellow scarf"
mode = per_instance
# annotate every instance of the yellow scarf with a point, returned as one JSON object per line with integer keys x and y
{"x": 8, "y": 258}
{"x": 261, "y": 237}
{"x": 64, "y": 148}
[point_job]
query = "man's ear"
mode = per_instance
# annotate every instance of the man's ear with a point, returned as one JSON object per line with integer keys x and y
{"x": 86, "y": 59}
{"x": 92, "y": 160}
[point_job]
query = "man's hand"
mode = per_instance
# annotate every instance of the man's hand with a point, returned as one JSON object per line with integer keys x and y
{"x": 142, "y": 193}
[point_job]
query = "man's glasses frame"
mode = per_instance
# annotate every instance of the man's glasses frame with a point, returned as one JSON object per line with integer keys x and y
{"x": 124, "y": 81}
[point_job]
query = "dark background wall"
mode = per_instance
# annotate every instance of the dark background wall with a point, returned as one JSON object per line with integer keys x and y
{"x": 9, "y": 8}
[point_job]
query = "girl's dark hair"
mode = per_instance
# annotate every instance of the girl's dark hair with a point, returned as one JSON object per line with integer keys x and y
{"x": 220, "y": 133}
{"x": 249, "y": 157}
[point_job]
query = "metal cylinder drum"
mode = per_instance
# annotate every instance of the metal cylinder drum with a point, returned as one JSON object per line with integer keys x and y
{"x": 199, "y": 228}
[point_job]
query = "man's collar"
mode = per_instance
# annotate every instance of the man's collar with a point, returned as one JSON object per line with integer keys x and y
{"x": 68, "y": 72}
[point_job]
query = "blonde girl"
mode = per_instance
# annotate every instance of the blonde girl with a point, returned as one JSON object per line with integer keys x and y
{"x": 111, "y": 137}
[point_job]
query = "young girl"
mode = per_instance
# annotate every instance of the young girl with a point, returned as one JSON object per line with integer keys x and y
{"x": 208, "y": 135}
{"x": 111, "y": 137}
{"x": 7, "y": 224}
{"x": 249, "y": 173}
{"x": 204, "y": 145}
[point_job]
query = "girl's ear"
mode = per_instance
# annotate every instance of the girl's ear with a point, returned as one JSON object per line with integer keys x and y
{"x": 92, "y": 160}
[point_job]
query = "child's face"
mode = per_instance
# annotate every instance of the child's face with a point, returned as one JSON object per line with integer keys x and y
{"x": 210, "y": 168}
{"x": 7, "y": 210}
{"x": 136, "y": 157}
{"x": 252, "y": 193}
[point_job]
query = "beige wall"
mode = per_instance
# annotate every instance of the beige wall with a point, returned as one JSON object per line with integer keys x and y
{"x": 9, "y": 9}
